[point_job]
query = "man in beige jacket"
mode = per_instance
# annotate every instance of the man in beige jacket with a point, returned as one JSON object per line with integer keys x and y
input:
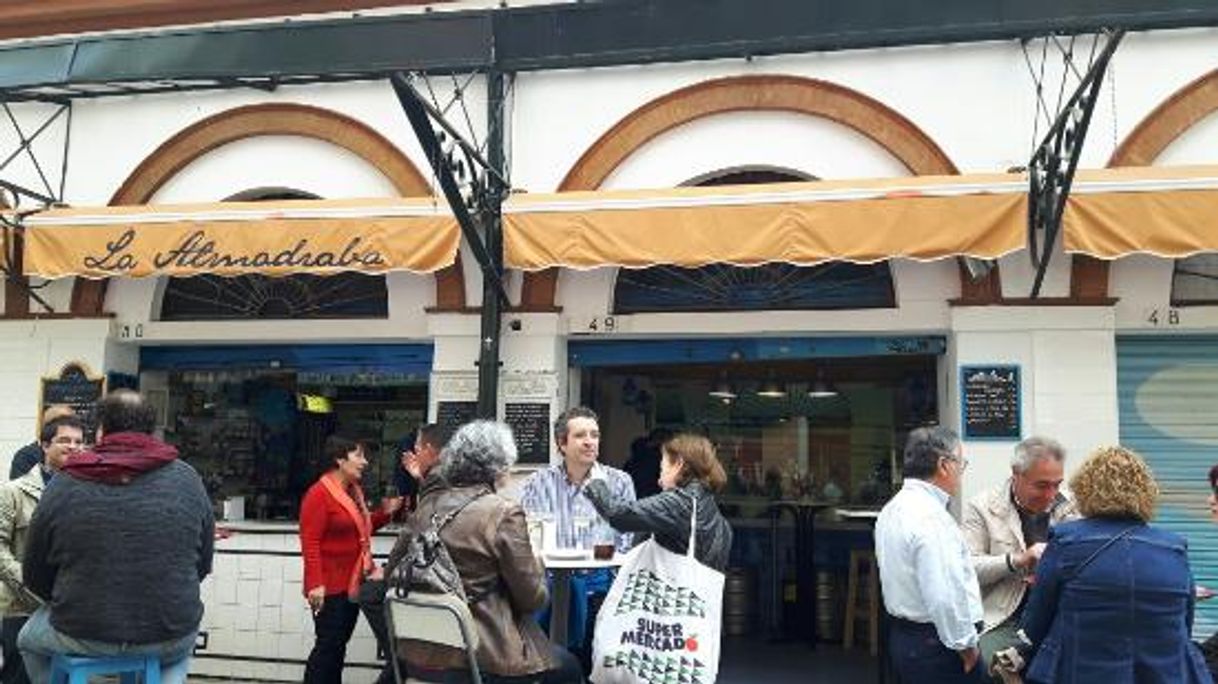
{"x": 60, "y": 438}
{"x": 1005, "y": 529}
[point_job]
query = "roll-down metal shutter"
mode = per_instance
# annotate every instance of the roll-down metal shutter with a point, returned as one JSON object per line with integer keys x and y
{"x": 1168, "y": 394}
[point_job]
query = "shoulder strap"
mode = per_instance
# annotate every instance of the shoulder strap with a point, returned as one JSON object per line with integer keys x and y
{"x": 693, "y": 528}
{"x": 1115, "y": 538}
{"x": 448, "y": 517}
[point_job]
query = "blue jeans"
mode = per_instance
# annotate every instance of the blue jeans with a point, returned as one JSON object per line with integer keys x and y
{"x": 39, "y": 642}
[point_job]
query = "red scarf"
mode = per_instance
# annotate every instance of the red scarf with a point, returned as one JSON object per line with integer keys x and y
{"x": 352, "y": 501}
{"x": 120, "y": 457}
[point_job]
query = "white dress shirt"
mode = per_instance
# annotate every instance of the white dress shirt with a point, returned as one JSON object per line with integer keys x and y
{"x": 925, "y": 568}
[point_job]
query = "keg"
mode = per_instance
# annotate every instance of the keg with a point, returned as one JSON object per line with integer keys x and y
{"x": 738, "y": 601}
{"x": 828, "y": 620}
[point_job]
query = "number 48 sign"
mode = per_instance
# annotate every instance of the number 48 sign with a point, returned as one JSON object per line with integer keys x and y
{"x": 1162, "y": 317}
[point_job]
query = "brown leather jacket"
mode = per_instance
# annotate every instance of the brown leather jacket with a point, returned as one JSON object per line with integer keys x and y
{"x": 505, "y": 583}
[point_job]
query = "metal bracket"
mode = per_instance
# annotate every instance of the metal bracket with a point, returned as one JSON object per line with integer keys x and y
{"x": 486, "y": 187}
{"x": 25, "y": 144}
{"x": 1051, "y": 169}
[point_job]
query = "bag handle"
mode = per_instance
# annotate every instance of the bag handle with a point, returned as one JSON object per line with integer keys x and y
{"x": 693, "y": 529}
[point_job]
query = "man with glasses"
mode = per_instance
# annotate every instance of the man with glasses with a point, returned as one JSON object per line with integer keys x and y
{"x": 1006, "y": 528}
{"x": 31, "y": 454}
{"x": 930, "y": 587}
{"x": 61, "y": 437}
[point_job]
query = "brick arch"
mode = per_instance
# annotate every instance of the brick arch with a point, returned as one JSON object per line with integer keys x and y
{"x": 871, "y": 118}
{"x": 191, "y": 143}
{"x": 1183, "y": 109}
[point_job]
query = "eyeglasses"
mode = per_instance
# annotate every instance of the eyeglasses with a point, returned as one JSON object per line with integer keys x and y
{"x": 961, "y": 462}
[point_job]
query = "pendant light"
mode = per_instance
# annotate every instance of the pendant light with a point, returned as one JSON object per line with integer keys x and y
{"x": 822, "y": 388}
{"x": 772, "y": 388}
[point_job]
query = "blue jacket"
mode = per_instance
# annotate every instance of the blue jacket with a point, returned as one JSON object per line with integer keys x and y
{"x": 1124, "y": 618}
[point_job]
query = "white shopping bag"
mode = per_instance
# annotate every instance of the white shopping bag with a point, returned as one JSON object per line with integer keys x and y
{"x": 660, "y": 622}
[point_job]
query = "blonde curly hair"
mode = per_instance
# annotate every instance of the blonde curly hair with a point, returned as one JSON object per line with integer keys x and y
{"x": 1115, "y": 482}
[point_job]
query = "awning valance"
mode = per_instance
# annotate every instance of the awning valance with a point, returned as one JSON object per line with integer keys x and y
{"x": 1170, "y": 212}
{"x": 234, "y": 238}
{"x": 924, "y": 217}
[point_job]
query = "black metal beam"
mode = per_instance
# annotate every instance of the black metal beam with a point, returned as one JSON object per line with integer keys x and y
{"x": 492, "y": 304}
{"x": 564, "y": 36}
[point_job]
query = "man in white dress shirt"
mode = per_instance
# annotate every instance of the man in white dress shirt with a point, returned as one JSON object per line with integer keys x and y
{"x": 926, "y": 572}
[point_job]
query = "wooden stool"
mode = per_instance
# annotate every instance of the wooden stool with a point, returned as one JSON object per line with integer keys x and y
{"x": 863, "y": 558}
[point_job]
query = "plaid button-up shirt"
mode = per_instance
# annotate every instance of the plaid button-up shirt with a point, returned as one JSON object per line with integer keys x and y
{"x": 550, "y": 491}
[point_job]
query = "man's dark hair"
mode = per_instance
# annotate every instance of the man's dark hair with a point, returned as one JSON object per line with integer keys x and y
{"x": 925, "y": 447}
{"x": 125, "y": 410}
{"x": 51, "y": 430}
{"x": 434, "y": 434}
{"x": 565, "y": 418}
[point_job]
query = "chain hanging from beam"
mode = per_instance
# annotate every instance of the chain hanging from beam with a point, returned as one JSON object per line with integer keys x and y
{"x": 1054, "y": 161}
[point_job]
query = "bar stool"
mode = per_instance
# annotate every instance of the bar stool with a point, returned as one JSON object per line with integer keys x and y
{"x": 860, "y": 560}
{"x": 70, "y": 669}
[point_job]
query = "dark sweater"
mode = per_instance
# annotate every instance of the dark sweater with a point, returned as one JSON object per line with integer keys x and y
{"x": 26, "y": 458}
{"x": 122, "y": 563}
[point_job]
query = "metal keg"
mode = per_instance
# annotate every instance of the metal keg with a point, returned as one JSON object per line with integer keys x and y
{"x": 738, "y": 602}
{"x": 828, "y": 613}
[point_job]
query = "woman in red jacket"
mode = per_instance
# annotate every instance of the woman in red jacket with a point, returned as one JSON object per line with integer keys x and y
{"x": 335, "y": 540}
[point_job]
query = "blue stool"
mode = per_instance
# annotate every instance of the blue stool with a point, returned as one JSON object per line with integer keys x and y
{"x": 69, "y": 669}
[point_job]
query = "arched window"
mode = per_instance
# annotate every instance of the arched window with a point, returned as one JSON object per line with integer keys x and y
{"x": 259, "y": 297}
{"x": 722, "y": 287}
{"x": 1194, "y": 282}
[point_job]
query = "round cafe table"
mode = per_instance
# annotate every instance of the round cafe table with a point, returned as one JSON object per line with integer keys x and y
{"x": 564, "y": 566}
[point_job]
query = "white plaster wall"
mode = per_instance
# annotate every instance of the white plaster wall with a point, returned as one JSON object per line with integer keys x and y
{"x": 1067, "y": 357}
{"x": 31, "y": 350}
{"x": 131, "y": 128}
{"x": 816, "y": 147}
{"x": 975, "y": 100}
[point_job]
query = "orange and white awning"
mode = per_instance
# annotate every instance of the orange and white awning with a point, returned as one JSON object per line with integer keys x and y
{"x": 1171, "y": 212}
{"x": 234, "y": 238}
{"x": 924, "y": 218}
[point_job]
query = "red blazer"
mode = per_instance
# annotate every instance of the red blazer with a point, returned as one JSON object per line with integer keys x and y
{"x": 329, "y": 540}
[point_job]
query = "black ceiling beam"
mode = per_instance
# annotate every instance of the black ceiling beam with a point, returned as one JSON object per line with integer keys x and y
{"x": 639, "y": 31}
{"x": 564, "y": 36}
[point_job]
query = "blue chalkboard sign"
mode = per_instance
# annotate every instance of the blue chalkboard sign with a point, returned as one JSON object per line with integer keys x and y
{"x": 990, "y": 402}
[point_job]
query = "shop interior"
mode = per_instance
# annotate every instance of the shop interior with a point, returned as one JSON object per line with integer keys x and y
{"x": 256, "y": 435}
{"x": 822, "y": 431}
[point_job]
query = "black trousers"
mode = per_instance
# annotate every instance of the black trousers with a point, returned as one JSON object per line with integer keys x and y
{"x": 13, "y": 670}
{"x": 918, "y": 656}
{"x": 333, "y": 626}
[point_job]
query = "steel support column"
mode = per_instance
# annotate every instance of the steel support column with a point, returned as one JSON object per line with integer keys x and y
{"x": 492, "y": 302}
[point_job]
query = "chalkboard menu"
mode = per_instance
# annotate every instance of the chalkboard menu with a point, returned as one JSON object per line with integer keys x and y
{"x": 451, "y": 415}
{"x": 530, "y": 424}
{"x": 73, "y": 387}
{"x": 989, "y": 402}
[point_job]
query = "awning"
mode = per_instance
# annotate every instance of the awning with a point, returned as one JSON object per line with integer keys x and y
{"x": 1165, "y": 211}
{"x": 924, "y": 217}
{"x": 233, "y": 238}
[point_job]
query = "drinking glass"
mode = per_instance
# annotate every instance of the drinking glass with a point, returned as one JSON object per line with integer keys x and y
{"x": 581, "y": 528}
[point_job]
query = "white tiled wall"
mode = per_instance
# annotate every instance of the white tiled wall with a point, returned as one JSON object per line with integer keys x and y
{"x": 255, "y": 608}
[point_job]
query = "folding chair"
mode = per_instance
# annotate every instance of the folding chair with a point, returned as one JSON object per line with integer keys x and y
{"x": 440, "y": 619}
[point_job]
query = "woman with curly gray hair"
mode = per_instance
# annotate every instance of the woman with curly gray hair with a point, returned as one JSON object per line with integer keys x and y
{"x": 489, "y": 543}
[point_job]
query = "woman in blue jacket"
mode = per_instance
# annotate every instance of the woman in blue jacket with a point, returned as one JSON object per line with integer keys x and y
{"x": 1113, "y": 596}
